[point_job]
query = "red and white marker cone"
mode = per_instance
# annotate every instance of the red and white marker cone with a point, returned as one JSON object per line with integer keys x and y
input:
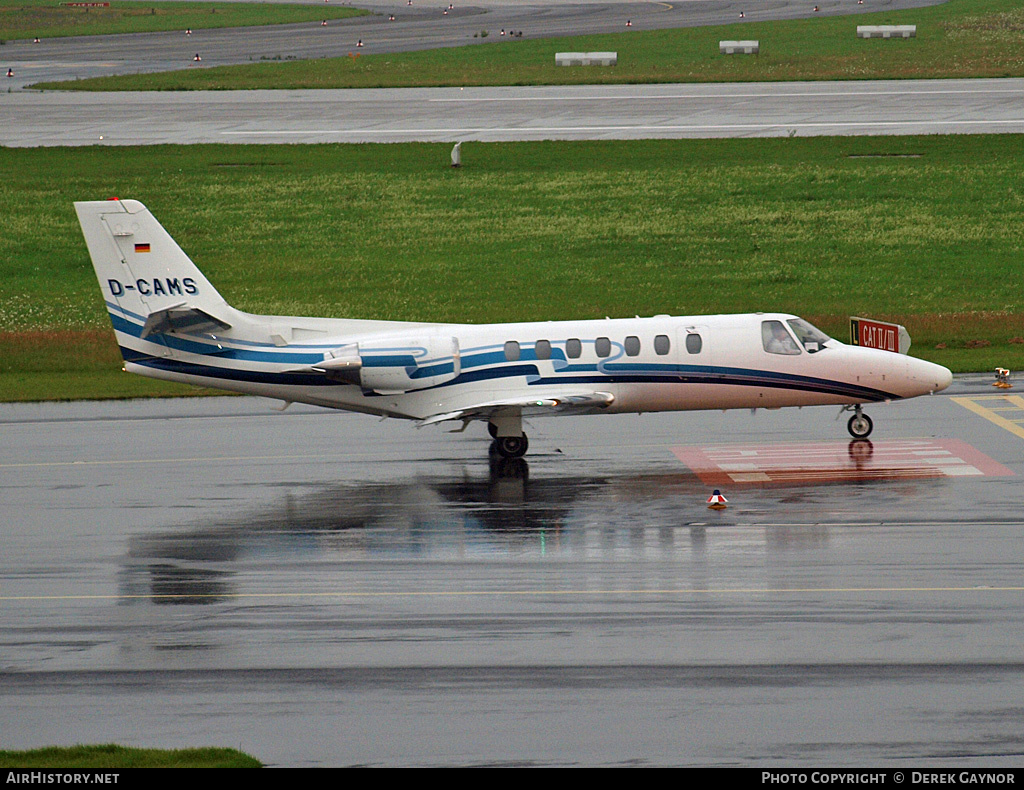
{"x": 716, "y": 501}
{"x": 197, "y": 58}
{"x": 629, "y": 23}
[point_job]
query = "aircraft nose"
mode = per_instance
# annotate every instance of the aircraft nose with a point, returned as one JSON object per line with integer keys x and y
{"x": 932, "y": 377}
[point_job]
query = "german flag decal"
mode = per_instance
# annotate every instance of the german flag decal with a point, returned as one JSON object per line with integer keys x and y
{"x": 142, "y": 248}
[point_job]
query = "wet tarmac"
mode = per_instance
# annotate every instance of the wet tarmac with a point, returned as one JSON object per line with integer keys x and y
{"x": 321, "y": 588}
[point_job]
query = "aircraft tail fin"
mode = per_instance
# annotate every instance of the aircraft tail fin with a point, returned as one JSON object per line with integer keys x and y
{"x": 146, "y": 278}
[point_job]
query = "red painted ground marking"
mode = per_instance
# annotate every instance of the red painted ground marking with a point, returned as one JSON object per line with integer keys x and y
{"x": 833, "y": 462}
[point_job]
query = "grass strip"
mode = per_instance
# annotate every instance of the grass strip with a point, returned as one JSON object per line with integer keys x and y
{"x": 24, "y": 19}
{"x": 111, "y": 756}
{"x": 961, "y": 38}
{"x": 922, "y": 230}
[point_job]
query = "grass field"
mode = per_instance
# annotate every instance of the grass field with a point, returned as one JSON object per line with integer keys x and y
{"x": 114, "y": 757}
{"x": 923, "y": 230}
{"x": 49, "y": 19}
{"x": 961, "y": 38}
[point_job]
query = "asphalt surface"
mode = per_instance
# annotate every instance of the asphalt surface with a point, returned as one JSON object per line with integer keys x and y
{"x": 515, "y": 113}
{"x": 327, "y": 589}
{"x": 424, "y": 25}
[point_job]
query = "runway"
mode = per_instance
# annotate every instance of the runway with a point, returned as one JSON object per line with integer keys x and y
{"x": 327, "y": 589}
{"x": 522, "y": 113}
{"x": 419, "y": 26}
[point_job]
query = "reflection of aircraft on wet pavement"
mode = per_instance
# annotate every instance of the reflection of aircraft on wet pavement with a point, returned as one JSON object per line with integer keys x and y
{"x": 172, "y": 324}
{"x": 419, "y": 518}
{"x": 508, "y": 511}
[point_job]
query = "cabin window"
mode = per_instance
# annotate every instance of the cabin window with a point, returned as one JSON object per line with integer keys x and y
{"x": 693, "y": 343}
{"x": 632, "y": 346}
{"x": 603, "y": 347}
{"x": 542, "y": 348}
{"x": 573, "y": 348}
{"x": 512, "y": 350}
{"x": 662, "y": 345}
{"x": 776, "y": 339}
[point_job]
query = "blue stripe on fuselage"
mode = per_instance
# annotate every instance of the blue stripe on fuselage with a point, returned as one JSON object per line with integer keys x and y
{"x": 681, "y": 375}
{"x": 483, "y": 363}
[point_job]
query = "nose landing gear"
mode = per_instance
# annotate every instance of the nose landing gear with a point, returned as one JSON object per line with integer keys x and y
{"x": 860, "y": 425}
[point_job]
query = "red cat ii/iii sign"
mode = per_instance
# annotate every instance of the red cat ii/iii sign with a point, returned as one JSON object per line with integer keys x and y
{"x": 869, "y": 333}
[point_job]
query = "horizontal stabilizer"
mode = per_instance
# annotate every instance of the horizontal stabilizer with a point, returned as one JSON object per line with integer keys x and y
{"x": 182, "y": 318}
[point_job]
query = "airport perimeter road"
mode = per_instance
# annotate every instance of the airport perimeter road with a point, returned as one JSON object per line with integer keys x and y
{"x": 423, "y": 25}
{"x": 523, "y": 113}
{"x": 327, "y": 589}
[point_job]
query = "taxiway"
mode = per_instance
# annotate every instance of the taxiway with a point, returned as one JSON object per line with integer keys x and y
{"x": 327, "y": 589}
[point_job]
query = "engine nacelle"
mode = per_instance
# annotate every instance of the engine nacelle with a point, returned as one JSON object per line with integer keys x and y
{"x": 397, "y": 365}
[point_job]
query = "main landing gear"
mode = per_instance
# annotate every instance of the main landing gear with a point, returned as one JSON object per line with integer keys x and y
{"x": 860, "y": 425}
{"x": 514, "y": 445}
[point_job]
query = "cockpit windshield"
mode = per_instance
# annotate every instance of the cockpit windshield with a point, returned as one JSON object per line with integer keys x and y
{"x": 810, "y": 337}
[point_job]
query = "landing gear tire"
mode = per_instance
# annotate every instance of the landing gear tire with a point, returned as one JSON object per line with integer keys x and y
{"x": 860, "y": 426}
{"x": 511, "y": 446}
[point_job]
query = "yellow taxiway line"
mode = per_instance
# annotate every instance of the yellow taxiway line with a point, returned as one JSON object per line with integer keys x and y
{"x": 1007, "y": 403}
{"x": 513, "y": 593}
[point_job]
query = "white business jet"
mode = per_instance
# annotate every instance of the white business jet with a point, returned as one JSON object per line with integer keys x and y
{"x": 172, "y": 324}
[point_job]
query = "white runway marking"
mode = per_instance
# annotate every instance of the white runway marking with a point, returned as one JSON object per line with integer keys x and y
{"x": 627, "y": 128}
{"x": 766, "y": 94}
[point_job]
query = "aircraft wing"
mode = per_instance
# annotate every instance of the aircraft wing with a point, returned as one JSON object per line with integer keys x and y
{"x": 551, "y": 404}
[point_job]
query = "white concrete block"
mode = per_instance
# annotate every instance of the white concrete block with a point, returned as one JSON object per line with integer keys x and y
{"x": 738, "y": 47}
{"x": 886, "y": 31}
